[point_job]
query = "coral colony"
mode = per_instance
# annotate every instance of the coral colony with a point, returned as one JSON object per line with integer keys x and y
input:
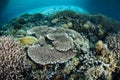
{"x": 65, "y": 45}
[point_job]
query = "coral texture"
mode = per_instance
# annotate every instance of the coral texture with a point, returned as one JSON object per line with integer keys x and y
{"x": 28, "y": 40}
{"x": 11, "y": 59}
{"x": 62, "y": 42}
{"x": 113, "y": 42}
{"x": 62, "y": 39}
{"x": 48, "y": 55}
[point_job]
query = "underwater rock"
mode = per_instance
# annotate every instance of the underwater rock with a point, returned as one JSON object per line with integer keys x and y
{"x": 48, "y": 55}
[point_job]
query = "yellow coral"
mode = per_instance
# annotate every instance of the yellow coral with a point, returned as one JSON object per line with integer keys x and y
{"x": 67, "y": 25}
{"x": 85, "y": 26}
{"x": 101, "y": 32}
{"x": 54, "y": 21}
{"x": 70, "y": 24}
{"x": 28, "y": 40}
{"x": 99, "y": 45}
{"x": 71, "y": 65}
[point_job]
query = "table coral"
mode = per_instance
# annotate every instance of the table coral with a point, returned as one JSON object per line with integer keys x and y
{"x": 48, "y": 55}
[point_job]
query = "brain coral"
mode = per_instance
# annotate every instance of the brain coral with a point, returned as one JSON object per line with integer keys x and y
{"x": 48, "y": 55}
{"x": 11, "y": 60}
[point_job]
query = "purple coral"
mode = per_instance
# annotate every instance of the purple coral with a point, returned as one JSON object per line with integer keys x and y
{"x": 11, "y": 61}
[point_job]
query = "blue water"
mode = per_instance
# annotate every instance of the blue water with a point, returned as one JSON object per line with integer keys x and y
{"x": 12, "y": 8}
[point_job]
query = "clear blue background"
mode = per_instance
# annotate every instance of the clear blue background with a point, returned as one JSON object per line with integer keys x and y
{"x": 11, "y": 8}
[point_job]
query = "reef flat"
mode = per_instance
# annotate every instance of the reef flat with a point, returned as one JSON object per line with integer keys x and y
{"x": 66, "y": 45}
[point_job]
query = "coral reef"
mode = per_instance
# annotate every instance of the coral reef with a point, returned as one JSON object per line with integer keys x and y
{"x": 61, "y": 42}
{"x": 12, "y": 61}
{"x": 28, "y": 40}
{"x": 56, "y": 49}
{"x": 48, "y": 55}
{"x": 63, "y": 46}
{"x": 113, "y": 42}
{"x": 41, "y": 30}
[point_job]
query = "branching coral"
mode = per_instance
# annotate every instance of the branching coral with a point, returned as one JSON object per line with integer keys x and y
{"x": 11, "y": 59}
{"x": 113, "y": 42}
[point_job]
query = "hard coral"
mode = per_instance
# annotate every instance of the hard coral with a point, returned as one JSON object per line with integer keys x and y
{"x": 62, "y": 42}
{"x": 28, "y": 40}
{"x": 11, "y": 59}
{"x": 62, "y": 39}
{"x": 41, "y": 30}
{"x": 48, "y": 55}
{"x": 113, "y": 42}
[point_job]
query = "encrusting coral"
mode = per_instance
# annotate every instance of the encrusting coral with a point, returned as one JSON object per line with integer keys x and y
{"x": 12, "y": 61}
{"x": 28, "y": 40}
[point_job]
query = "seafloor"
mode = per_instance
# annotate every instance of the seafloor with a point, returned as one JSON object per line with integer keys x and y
{"x": 63, "y": 46}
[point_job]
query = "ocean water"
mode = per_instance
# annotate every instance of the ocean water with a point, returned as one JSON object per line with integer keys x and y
{"x": 59, "y": 39}
{"x": 12, "y": 8}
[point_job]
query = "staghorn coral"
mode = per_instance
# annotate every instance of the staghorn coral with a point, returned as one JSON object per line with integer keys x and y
{"x": 61, "y": 41}
{"x": 113, "y": 42}
{"x": 48, "y": 55}
{"x": 12, "y": 61}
